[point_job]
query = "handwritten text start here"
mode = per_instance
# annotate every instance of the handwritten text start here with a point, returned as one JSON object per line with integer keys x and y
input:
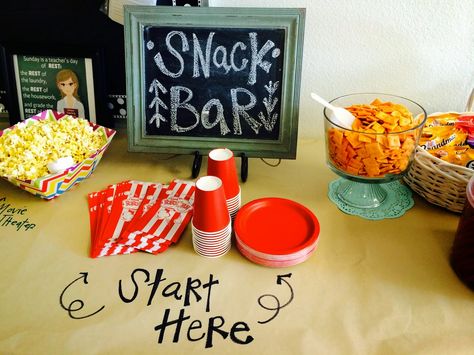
{"x": 210, "y": 60}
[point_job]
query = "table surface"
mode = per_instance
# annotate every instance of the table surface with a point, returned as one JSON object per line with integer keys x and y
{"x": 371, "y": 287}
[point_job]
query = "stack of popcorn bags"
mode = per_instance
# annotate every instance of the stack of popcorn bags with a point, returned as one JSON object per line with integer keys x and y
{"x": 132, "y": 215}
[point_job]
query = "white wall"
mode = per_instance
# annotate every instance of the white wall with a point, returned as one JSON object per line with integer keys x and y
{"x": 420, "y": 49}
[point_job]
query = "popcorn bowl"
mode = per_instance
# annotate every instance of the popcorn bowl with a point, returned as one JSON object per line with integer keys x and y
{"x": 55, "y": 184}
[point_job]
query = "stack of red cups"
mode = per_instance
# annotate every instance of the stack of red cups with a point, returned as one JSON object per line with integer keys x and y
{"x": 221, "y": 163}
{"x": 211, "y": 223}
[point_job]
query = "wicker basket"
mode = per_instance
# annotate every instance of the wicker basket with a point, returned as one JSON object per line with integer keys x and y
{"x": 439, "y": 182}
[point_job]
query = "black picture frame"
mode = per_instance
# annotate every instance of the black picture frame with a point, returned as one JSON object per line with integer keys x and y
{"x": 96, "y": 90}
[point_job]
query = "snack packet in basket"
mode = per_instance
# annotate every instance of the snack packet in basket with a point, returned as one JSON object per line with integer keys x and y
{"x": 466, "y": 122}
{"x": 450, "y": 137}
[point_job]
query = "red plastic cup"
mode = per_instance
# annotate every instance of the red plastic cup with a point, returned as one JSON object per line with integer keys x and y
{"x": 221, "y": 163}
{"x": 216, "y": 234}
{"x": 210, "y": 208}
{"x": 209, "y": 254}
{"x": 212, "y": 244}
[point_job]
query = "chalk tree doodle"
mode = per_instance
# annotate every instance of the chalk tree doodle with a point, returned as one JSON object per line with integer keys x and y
{"x": 269, "y": 120}
{"x": 156, "y": 88}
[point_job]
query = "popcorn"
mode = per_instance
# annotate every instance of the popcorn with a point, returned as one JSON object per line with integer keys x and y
{"x": 26, "y": 150}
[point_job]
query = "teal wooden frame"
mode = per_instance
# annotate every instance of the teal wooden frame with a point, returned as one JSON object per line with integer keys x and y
{"x": 289, "y": 19}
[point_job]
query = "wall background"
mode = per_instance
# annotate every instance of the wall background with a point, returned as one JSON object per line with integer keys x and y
{"x": 423, "y": 50}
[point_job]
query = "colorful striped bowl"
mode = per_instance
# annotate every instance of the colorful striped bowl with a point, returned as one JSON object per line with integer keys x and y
{"x": 54, "y": 185}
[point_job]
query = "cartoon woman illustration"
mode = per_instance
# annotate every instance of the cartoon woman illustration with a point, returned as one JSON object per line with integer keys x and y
{"x": 68, "y": 84}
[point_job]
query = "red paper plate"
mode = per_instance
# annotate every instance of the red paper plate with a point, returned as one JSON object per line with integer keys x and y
{"x": 275, "y": 263}
{"x": 276, "y": 226}
{"x": 275, "y": 257}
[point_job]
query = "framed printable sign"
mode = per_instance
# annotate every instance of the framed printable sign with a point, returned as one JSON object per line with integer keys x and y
{"x": 70, "y": 82}
{"x": 200, "y": 78}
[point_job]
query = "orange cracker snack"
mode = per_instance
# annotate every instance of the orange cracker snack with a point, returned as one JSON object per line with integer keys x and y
{"x": 382, "y": 139}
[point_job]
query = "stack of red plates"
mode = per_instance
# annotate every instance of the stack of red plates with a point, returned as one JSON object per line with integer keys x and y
{"x": 276, "y": 232}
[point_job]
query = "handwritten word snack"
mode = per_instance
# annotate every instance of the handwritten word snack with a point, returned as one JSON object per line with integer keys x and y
{"x": 381, "y": 141}
{"x": 136, "y": 216}
{"x": 449, "y": 136}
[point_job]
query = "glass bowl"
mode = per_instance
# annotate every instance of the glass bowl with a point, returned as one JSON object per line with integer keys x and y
{"x": 377, "y": 150}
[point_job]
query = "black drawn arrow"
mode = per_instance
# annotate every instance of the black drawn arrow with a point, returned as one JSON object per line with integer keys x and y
{"x": 76, "y": 305}
{"x": 278, "y": 305}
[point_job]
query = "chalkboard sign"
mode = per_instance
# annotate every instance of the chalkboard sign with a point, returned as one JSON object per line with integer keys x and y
{"x": 200, "y": 78}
